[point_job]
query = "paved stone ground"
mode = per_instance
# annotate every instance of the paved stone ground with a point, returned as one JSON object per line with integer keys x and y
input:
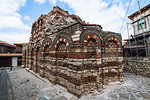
{"x": 5, "y": 90}
{"x": 3, "y": 85}
{"x": 26, "y": 86}
{"x": 134, "y": 88}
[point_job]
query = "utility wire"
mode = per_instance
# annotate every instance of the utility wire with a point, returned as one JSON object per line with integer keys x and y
{"x": 125, "y": 16}
{"x": 143, "y": 3}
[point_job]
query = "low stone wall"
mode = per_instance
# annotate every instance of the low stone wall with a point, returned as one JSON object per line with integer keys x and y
{"x": 137, "y": 65}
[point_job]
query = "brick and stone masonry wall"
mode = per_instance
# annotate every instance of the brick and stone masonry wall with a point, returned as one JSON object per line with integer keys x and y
{"x": 81, "y": 57}
{"x": 137, "y": 65}
{"x": 78, "y": 75}
{"x": 72, "y": 67}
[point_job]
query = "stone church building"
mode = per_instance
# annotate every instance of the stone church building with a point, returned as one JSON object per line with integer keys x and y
{"x": 77, "y": 55}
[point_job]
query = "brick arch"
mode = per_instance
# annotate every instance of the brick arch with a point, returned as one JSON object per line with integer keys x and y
{"x": 113, "y": 38}
{"x": 46, "y": 42}
{"x": 113, "y": 34}
{"x": 38, "y": 44}
{"x": 91, "y": 33}
{"x": 62, "y": 40}
{"x": 91, "y": 36}
{"x": 46, "y": 47}
{"x": 62, "y": 37}
{"x": 37, "y": 50}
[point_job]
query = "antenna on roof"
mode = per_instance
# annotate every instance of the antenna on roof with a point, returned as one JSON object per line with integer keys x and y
{"x": 139, "y": 7}
{"x": 139, "y": 4}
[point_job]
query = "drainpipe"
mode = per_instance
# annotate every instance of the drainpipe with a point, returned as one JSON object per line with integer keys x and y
{"x": 11, "y": 64}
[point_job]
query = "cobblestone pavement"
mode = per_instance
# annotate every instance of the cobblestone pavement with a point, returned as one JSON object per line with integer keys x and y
{"x": 27, "y": 86}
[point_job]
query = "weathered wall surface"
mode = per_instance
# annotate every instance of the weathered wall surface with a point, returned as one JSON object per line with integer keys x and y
{"x": 81, "y": 57}
{"x": 139, "y": 66}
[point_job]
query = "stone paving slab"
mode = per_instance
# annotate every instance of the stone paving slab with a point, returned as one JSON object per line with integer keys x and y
{"x": 28, "y": 87}
{"x": 4, "y": 95}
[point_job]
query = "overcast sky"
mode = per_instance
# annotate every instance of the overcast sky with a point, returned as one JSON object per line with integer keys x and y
{"x": 17, "y": 16}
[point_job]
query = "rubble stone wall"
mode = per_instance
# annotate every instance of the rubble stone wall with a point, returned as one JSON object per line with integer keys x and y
{"x": 137, "y": 65}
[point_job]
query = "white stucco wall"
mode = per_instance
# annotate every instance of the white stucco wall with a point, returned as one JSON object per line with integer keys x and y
{"x": 135, "y": 23}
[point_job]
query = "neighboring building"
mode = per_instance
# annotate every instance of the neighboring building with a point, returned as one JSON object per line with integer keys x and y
{"x": 10, "y": 55}
{"x": 79, "y": 56}
{"x": 10, "y": 59}
{"x": 19, "y": 47}
{"x": 6, "y": 47}
{"x": 139, "y": 44}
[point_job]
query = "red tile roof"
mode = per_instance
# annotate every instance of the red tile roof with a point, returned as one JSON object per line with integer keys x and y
{"x": 3, "y": 42}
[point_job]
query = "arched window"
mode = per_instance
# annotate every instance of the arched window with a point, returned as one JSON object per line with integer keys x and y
{"x": 61, "y": 50}
{"x": 91, "y": 47}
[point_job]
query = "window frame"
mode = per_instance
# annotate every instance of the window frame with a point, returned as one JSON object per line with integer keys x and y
{"x": 141, "y": 24}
